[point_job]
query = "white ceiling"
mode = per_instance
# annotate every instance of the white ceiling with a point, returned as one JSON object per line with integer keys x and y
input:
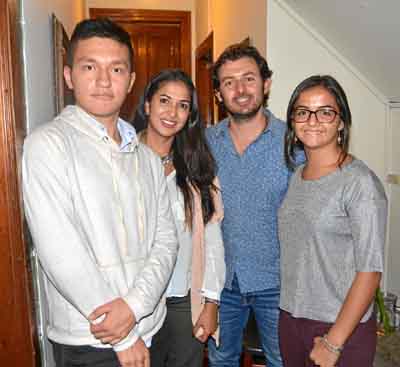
{"x": 366, "y": 32}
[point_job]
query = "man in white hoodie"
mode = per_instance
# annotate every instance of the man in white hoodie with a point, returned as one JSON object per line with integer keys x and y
{"x": 98, "y": 210}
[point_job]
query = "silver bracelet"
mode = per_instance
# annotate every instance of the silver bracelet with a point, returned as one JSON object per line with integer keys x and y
{"x": 332, "y": 348}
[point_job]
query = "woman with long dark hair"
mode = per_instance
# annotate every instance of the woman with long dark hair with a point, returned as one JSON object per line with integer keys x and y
{"x": 173, "y": 130}
{"x": 332, "y": 227}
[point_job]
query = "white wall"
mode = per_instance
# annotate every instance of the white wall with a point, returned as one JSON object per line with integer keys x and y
{"x": 234, "y": 20}
{"x": 203, "y": 20}
{"x": 185, "y": 5}
{"x": 38, "y": 52}
{"x": 296, "y": 51}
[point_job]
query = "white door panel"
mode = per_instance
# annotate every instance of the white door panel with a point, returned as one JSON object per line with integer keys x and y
{"x": 393, "y": 248}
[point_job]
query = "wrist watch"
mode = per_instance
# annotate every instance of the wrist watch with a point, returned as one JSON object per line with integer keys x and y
{"x": 210, "y": 300}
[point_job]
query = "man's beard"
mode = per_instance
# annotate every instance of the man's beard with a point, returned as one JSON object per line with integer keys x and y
{"x": 242, "y": 116}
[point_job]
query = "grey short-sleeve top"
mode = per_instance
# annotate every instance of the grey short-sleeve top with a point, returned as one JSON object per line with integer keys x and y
{"x": 329, "y": 229}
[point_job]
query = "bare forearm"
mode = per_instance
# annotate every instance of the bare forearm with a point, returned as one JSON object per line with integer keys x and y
{"x": 357, "y": 301}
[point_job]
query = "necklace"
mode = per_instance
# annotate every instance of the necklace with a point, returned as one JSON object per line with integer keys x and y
{"x": 166, "y": 159}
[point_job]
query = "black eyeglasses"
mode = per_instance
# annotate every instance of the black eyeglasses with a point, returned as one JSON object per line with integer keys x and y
{"x": 323, "y": 115}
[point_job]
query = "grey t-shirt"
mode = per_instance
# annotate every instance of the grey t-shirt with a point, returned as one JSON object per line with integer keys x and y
{"x": 329, "y": 229}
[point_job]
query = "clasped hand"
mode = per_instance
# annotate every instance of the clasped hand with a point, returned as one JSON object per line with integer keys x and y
{"x": 321, "y": 356}
{"x": 117, "y": 321}
{"x": 137, "y": 355}
{"x": 207, "y": 322}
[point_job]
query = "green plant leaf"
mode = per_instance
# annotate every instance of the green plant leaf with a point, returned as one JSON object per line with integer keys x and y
{"x": 382, "y": 312}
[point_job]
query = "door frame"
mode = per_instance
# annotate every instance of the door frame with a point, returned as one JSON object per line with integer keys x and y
{"x": 391, "y": 274}
{"x": 182, "y": 18}
{"x": 17, "y": 336}
{"x": 205, "y": 52}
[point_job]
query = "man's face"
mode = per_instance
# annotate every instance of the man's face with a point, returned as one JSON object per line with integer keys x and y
{"x": 242, "y": 89}
{"x": 100, "y": 77}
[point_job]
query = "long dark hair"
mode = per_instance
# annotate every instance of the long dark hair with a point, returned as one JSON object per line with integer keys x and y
{"x": 334, "y": 88}
{"x": 192, "y": 158}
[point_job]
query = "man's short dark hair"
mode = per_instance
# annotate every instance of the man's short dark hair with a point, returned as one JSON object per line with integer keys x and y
{"x": 100, "y": 27}
{"x": 236, "y": 52}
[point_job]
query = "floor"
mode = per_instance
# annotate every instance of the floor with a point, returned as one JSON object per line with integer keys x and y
{"x": 379, "y": 362}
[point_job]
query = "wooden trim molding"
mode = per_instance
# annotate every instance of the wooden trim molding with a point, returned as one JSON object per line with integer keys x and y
{"x": 204, "y": 54}
{"x": 154, "y": 16}
{"x": 16, "y": 316}
{"x": 206, "y": 48}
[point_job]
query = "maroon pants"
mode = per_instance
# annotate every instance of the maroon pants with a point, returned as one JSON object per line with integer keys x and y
{"x": 296, "y": 337}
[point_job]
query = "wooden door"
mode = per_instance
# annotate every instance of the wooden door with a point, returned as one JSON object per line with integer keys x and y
{"x": 205, "y": 92}
{"x": 16, "y": 315}
{"x": 156, "y": 48}
{"x": 161, "y": 39}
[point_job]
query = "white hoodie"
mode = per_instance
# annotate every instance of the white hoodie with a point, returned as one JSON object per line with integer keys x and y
{"x": 101, "y": 222}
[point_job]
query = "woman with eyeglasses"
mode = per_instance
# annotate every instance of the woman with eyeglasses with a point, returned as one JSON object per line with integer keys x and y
{"x": 169, "y": 111}
{"x": 332, "y": 232}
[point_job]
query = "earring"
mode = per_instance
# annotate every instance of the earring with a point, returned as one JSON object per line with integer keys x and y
{"x": 295, "y": 139}
{"x": 192, "y": 123}
{"x": 339, "y": 139}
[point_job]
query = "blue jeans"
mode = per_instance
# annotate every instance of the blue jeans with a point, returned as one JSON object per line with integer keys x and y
{"x": 233, "y": 314}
